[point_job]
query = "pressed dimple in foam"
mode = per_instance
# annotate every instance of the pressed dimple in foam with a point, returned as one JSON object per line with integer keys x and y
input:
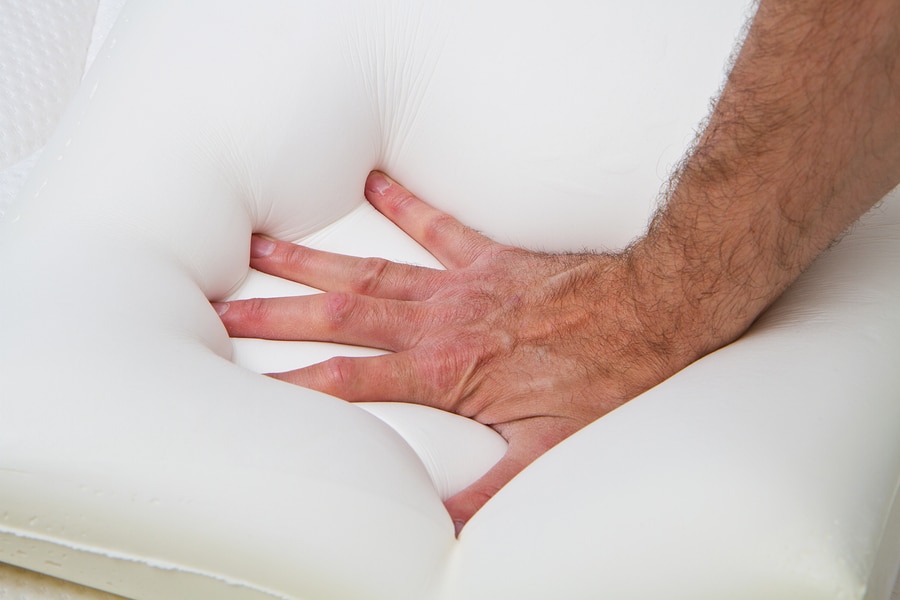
{"x": 43, "y": 47}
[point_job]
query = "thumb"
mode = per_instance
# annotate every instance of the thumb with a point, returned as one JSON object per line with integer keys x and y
{"x": 467, "y": 502}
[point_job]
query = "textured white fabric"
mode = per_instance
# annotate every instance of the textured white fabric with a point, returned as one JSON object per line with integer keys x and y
{"x": 43, "y": 49}
{"x": 43, "y": 46}
{"x": 136, "y": 459}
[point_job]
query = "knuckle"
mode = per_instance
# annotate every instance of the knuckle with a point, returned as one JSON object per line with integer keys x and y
{"x": 400, "y": 201}
{"x": 339, "y": 308}
{"x": 255, "y": 310}
{"x": 368, "y": 275}
{"x": 294, "y": 255}
{"x": 337, "y": 372}
{"x": 453, "y": 365}
{"x": 435, "y": 376}
{"x": 468, "y": 305}
{"x": 439, "y": 226}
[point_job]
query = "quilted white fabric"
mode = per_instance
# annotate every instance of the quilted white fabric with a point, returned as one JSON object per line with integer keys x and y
{"x": 43, "y": 47}
{"x": 43, "y": 53}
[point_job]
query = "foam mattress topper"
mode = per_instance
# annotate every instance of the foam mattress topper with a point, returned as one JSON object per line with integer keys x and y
{"x": 141, "y": 451}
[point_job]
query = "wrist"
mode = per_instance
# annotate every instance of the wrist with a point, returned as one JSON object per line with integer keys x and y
{"x": 655, "y": 333}
{"x": 690, "y": 305}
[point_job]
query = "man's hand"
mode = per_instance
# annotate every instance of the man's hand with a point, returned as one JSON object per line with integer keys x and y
{"x": 534, "y": 345}
{"x": 804, "y": 139}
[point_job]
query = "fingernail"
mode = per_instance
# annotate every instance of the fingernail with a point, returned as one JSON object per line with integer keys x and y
{"x": 458, "y": 526}
{"x": 261, "y": 247}
{"x": 221, "y": 307}
{"x": 377, "y": 183}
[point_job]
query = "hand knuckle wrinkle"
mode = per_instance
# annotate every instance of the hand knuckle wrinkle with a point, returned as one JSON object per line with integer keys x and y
{"x": 401, "y": 202}
{"x": 255, "y": 310}
{"x": 439, "y": 226}
{"x": 339, "y": 308}
{"x": 369, "y": 274}
{"x": 337, "y": 372}
{"x": 297, "y": 257}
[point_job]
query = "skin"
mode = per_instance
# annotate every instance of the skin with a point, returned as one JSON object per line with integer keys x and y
{"x": 803, "y": 140}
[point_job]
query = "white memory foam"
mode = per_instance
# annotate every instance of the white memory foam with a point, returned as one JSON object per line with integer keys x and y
{"x": 136, "y": 459}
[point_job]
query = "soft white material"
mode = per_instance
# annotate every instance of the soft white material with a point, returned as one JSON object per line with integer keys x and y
{"x": 135, "y": 458}
{"x": 43, "y": 47}
{"x": 41, "y": 44}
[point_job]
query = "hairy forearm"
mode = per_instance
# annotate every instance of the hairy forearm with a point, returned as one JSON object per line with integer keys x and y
{"x": 803, "y": 140}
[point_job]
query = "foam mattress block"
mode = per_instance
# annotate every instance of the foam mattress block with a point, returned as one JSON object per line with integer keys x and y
{"x": 142, "y": 453}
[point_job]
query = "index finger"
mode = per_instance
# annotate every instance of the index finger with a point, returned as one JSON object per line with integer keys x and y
{"x": 451, "y": 242}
